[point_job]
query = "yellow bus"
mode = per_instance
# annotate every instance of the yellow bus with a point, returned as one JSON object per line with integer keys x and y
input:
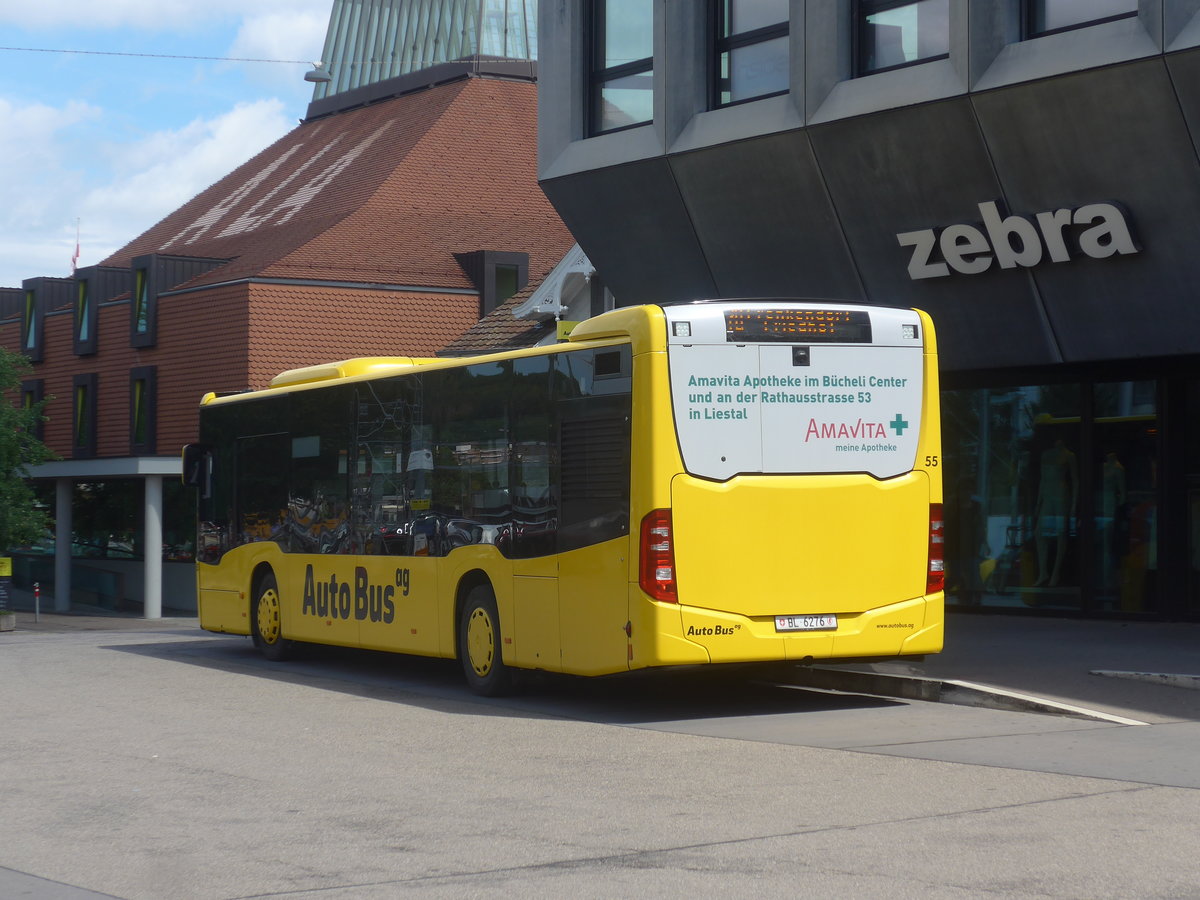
{"x": 715, "y": 482}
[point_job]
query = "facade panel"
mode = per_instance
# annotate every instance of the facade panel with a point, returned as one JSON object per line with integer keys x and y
{"x": 642, "y": 208}
{"x": 742, "y": 218}
{"x": 1113, "y": 134}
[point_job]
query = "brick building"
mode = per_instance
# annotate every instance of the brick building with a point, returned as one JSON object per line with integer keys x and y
{"x": 387, "y": 225}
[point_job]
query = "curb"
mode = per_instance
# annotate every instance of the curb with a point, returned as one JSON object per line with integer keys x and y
{"x": 935, "y": 690}
{"x": 1182, "y": 681}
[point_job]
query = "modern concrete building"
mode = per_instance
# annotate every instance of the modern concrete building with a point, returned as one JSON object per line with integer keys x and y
{"x": 1025, "y": 170}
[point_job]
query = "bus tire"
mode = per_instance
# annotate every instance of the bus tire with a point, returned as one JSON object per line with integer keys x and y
{"x": 267, "y": 622}
{"x": 479, "y": 644}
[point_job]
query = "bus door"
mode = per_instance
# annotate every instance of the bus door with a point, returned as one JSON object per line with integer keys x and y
{"x": 593, "y": 528}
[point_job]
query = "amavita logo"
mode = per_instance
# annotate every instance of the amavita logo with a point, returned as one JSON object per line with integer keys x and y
{"x": 1096, "y": 230}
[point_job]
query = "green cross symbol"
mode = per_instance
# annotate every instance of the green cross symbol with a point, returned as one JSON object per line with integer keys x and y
{"x": 898, "y": 424}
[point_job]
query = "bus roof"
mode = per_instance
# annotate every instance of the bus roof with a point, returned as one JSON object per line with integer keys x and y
{"x": 348, "y": 368}
{"x": 640, "y": 324}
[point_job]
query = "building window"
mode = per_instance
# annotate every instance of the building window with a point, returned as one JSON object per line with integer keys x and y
{"x": 142, "y": 320}
{"x": 508, "y": 282}
{"x": 85, "y": 318}
{"x": 143, "y": 390}
{"x": 621, "y": 85}
{"x": 31, "y": 327}
{"x": 496, "y": 274}
{"x": 1050, "y": 16}
{"x": 893, "y": 33}
{"x": 33, "y": 392}
{"x": 83, "y": 420}
{"x": 750, "y": 50}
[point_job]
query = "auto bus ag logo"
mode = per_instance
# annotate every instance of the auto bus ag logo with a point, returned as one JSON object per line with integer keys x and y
{"x": 330, "y": 598}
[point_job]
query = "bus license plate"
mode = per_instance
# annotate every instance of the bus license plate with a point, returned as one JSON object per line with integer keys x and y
{"x": 806, "y": 623}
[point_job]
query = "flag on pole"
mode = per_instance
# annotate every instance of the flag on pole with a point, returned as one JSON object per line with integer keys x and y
{"x": 75, "y": 257}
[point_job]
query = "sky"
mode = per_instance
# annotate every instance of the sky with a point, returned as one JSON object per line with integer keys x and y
{"x": 112, "y": 144}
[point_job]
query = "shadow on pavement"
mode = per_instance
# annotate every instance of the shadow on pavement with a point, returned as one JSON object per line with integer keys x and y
{"x": 437, "y": 684}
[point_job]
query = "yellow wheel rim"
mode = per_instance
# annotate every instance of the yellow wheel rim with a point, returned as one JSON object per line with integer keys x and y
{"x": 268, "y": 616}
{"x": 481, "y": 642}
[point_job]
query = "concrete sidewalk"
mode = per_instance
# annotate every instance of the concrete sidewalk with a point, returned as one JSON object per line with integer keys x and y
{"x": 1140, "y": 671}
{"x": 60, "y": 623}
{"x": 1047, "y": 658}
{"x": 1056, "y": 658}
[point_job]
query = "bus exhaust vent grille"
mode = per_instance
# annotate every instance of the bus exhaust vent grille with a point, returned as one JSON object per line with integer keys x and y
{"x": 595, "y": 481}
{"x": 595, "y": 454}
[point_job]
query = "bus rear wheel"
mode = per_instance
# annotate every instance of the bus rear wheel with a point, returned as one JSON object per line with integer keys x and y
{"x": 479, "y": 644}
{"x": 267, "y": 621}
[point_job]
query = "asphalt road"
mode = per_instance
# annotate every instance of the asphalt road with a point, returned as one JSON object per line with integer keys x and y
{"x": 162, "y": 762}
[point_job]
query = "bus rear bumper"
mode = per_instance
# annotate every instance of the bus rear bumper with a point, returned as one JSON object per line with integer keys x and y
{"x": 908, "y": 628}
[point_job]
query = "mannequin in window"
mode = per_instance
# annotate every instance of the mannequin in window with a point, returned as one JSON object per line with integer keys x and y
{"x": 971, "y": 532}
{"x": 1057, "y": 492}
{"x": 1114, "y": 516}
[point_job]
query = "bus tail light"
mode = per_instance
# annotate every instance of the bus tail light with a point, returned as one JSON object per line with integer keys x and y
{"x": 935, "y": 578}
{"x": 657, "y": 559}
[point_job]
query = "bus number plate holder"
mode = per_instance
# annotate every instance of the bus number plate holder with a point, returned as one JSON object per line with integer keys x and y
{"x": 806, "y": 623}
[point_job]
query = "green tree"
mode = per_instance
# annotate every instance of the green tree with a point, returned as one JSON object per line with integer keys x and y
{"x": 21, "y": 522}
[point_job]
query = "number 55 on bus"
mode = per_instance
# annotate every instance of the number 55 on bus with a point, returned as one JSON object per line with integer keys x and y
{"x": 717, "y": 482}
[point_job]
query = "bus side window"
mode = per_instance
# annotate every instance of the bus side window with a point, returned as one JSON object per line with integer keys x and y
{"x": 390, "y": 460}
{"x": 471, "y": 455}
{"x": 318, "y": 515}
{"x": 262, "y": 498}
{"x": 534, "y": 462}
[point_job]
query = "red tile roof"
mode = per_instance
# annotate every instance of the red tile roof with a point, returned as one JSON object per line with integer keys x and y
{"x": 498, "y": 330}
{"x": 384, "y": 194}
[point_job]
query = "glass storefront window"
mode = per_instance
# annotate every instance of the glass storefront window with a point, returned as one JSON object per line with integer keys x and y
{"x": 1052, "y": 496}
{"x": 1012, "y": 496}
{"x": 1125, "y": 509}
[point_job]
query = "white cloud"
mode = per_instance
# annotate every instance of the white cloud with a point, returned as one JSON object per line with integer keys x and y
{"x": 280, "y": 35}
{"x": 36, "y": 190}
{"x": 168, "y": 168}
{"x": 29, "y": 146}
{"x": 144, "y": 181}
{"x": 122, "y": 167}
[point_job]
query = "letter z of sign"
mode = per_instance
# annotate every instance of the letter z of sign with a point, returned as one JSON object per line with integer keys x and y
{"x": 922, "y": 243}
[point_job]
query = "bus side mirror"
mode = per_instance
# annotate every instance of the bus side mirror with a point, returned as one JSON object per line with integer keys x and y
{"x": 198, "y": 468}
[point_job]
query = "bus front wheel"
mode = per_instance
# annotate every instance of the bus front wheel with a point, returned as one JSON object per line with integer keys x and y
{"x": 479, "y": 644}
{"x": 267, "y": 621}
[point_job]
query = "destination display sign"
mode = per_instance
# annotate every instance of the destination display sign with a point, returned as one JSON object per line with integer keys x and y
{"x": 840, "y": 326}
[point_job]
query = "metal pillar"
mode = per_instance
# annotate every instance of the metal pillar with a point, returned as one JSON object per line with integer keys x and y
{"x": 64, "y": 492}
{"x": 153, "y": 547}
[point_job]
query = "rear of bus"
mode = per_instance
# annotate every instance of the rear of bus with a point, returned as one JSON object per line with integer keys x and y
{"x": 798, "y": 515}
